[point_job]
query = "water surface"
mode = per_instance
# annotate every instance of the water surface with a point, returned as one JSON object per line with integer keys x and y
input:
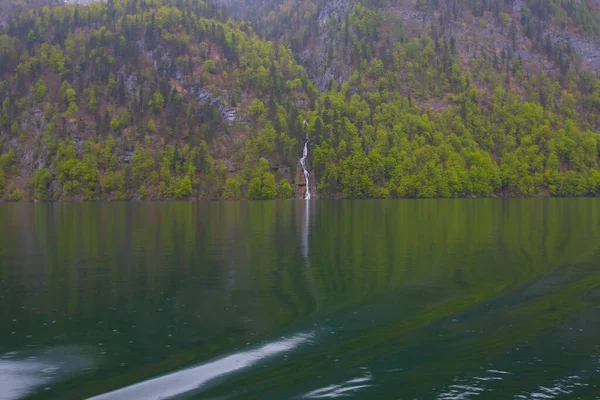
{"x": 452, "y": 299}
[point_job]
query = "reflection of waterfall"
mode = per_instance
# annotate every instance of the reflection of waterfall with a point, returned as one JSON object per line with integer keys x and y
{"x": 191, "y": 379}
{"x": 304, "y": 248}
{"x": 304, "y": 233}
{"x": 306, "y": 173}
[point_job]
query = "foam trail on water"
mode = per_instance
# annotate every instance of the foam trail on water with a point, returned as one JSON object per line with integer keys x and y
{"x": 190, "y": 379}
{"x": 22, "y": 374}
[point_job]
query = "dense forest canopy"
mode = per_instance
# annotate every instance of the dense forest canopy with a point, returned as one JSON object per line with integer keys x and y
{"x": 178, "y": 99}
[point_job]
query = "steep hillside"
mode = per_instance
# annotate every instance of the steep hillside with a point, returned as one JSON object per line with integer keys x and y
{"x": 121, "y": 100}
{"x": 174, "y": 99}
{"x": 439, "y": 80}
{"x": 531, "y": 30}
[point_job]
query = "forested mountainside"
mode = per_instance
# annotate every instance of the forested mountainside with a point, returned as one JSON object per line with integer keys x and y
{"x": 149, "y": 99}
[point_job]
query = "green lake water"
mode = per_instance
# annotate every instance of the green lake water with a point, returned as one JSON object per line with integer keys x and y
{"x": 424, "y": 299}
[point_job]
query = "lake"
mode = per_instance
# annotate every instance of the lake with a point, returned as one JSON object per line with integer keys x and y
{"x": 423, "y": 299}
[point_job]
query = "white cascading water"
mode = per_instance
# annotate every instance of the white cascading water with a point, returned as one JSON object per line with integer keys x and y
{"x": 303, "y": 163}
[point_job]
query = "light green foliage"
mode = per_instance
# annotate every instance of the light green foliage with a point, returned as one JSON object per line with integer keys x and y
{"x": 232, "y": 190}
{"x": 182, "y": 188}
{"x": 209, "y": 66}
{"x": 41, "y": 181}
{"x": 115, "y": 124}
{"x": 415, "y": 118}
{"x": 92, "y": 102}
{"x": 40, "y": 90}
{"x": 8, "y": 161}
{"x": 262, "y": 185}
{"x": 15, "y": 195}
{"x": 77, "y": 177}
{"x": 284, "y": 190}
{"x": 268, "y": 187}
{"x": 151, "y": 125}
{"x": 143, "y": 192}
{"x": 257, "y": 110}
{"x": 124, "y": 119}
{"x": 142, "y": 164}
{"x": 158, "y": 102}
{"x": 264, "y": 143}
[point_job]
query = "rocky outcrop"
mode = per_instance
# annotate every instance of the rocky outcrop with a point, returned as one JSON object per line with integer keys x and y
{"x": 473, "y": 35}
{"x": 314, "y": 57}
{"x": 321, "y": 70}
{"x": 201, "y": 94}
{"x": 587, "y": 48}
{"x": 162, "y": 61}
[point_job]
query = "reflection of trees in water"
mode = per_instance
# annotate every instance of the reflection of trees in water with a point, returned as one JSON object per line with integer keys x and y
{"x": 395, "y": 239}
{"x": 362, "y": 247}
{"x": 355, "y": 247}
{"x": 439, "y": 287}
{"x": 235, "y": 272}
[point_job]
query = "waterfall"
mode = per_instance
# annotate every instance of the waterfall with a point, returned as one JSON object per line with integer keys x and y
{"x": 306, "y": 173}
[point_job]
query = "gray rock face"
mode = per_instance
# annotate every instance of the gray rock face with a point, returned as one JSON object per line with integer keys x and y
{"x": 331, "y": 16}
{"x": 314, "y": 59}
{"x": 162, "y": 60}
{"x": 588, "y": 48}
{"x": 333, "y": 12}
{"x": 203, "y": 95}
{"x": 130, "y": 82}
{"x": 127, "y": 154}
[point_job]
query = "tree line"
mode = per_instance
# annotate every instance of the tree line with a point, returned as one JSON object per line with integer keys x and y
{"x": 95, "y": 105}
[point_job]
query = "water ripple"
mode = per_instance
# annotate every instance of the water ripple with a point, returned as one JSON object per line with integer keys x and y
{"x": 344, "y": 389}
{"x": 566, "y": 385}
{"x": 469, "y": 387}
